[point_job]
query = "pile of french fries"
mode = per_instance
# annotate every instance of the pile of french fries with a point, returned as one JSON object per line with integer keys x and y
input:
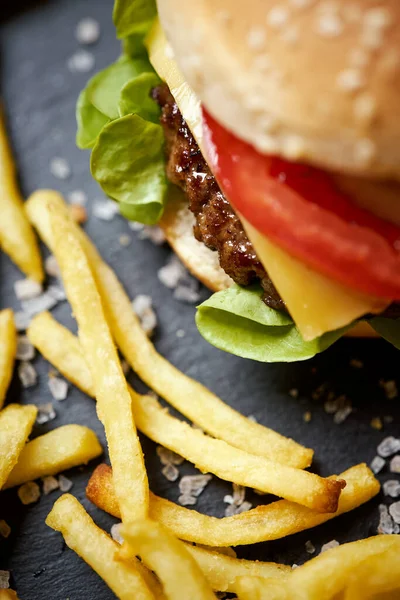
{"x": 168, "y": 551}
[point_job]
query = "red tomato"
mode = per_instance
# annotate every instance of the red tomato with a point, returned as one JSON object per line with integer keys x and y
{"x": 299, "y": 209}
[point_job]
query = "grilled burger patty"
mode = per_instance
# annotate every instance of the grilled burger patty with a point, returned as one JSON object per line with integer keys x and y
{"x": 217, "y": 224}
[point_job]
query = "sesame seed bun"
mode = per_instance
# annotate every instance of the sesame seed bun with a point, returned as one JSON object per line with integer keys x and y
{"x": 311, "y": 80}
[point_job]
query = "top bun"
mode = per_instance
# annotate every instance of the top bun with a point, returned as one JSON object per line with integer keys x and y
{"x": 311, "y": 80}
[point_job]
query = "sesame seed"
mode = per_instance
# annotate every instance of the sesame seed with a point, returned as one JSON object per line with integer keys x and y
{"x": 290, "y": 35}
{"x": 378, "y": 18}
{"x": 277, "y": 16}
{"x": 294, "y": 147}
{"x": 256, "y": 38}
{"x": 350, "y": 80}
{"x": 372, "y": 38}
{"x": 329, "y": 25}
{"x": 364, "y": 151}
{"x": 364, "y": 108}
{"x": 359, "y": 58}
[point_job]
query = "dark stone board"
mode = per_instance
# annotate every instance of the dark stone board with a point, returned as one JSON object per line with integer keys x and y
{"x": 40, "y": 94}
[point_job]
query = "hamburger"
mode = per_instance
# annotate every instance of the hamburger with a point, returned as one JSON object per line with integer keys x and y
{"x": 263, "y": 138}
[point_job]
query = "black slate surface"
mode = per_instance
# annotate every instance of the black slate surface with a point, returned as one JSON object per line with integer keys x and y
{"x": 40, "y": 94}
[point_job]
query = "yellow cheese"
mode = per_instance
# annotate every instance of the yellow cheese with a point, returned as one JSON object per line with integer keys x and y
{"x": 316, "y": 303}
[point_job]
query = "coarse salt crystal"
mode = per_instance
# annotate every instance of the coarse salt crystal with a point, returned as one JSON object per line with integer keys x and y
{"x": 51, "y": 266}
{"x": 29, "y": 492}
{"x": 153, "y": 233}
{"x": 4, "y": 580}
{"x": 386, "y": 524}
{"x": 78, "y": 197}
{"x": 5, "y": 529}
{"x": 64, "y": 483}
{"x": 395, "y": 464}
{"x": 87, "y": 31}
{"x": 294, "y": 393}
{"x": 377, "y": 464}
{"x": 390, "y": 388}
{"x": 58, "y": 388}
{"x": 392, "y": 488}
{"x": 81, "y": 61}
{"x": 394, "y": 511}
{"x": 228, "y": 499}
{"x": 310, "y": 548}
{"x": 60, "y": 168}
{"x": 50, "y": 484}
{"x": 25, "y": 350}
{"x": 329, "y": 545}
{"x": 187, "y": 294}
{"x": 57, "y": 292}
{"x": 105, "y": 209}
{"x": 234, "y": 509}
{"x": 389, "y": 446}
{"x": 187, "y": 500}
{"x": 22, "y": 320}
{"x": 115, "y": 533}
{"x": 26, "y": 289}
{"x": 39, "y": 304}
{"x": 142, "y": 305}
{"x": 172, "y": 272}
{"x": 180, "y": 333}
{"x": 170, "y": 472}
{"x": 45, "y": 413}
{"x": 27, "y": 374}
{"x": 125, "y": 240}
{"x": 168, "y": 457}
{"x": 252, "y": 418}
{"x": 239, "y": 494}
{"x": 341, "y": 415}
{"x": 194, "y": 485}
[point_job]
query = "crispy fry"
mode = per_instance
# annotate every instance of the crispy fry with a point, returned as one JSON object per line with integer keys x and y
{"x": 214, "y": 455}
{"x": 207, "y": 411}
{"x": 96, "y": 548}
{"x": 16, "y": 235}
{"x": 60, "y": 449}
{"x": 8, "y": 348}
{"x": 8, "y": 595}
{"x": 59, "y": 346}
{"x": 113, "y": 400}
{"x": 256, "y": 588}
{"x": 169, "y": 559}
{"x": 378, "y": 575}
{"x": 16, "y": 423}
{"x": 264, "y": 523}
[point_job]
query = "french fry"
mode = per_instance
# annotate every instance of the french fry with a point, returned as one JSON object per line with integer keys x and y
{"x": 264, "y": 523}
{"x": 113, "y": 399}
{"x": 17, "y": 238}
{"x": 56, "y": 451}
{"x": 378, "y": 575}
{"x": 8, "y": 595}
{"x": 256, "y": 588}
{"x": 169, "y": 559}
{"x": 16, "y": 423}
{"x": 8, "y": 349}
{"x": 97, "y": 549}
{"x": 214, "y": 455}
{"x": 191, "y": 398}
{"x": 221, "y": 571}
{"x": 59, "y": 346}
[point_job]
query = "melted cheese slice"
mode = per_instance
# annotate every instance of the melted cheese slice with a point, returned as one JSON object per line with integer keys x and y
{"x": 317, "y": 304}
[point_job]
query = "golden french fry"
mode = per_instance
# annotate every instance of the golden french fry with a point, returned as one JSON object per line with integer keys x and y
{"x": 59, "y": 346}
{"x": 16, "y": 423}
{"x": 213, "y": 455}
{"x": 191, "y": 398}
{"x": 17, "y": 238}
{"x": 256, "y": 588}
{"x": 374, "y": 577}
{"x": 56, "y": 451}
{"x": 8, "y": 595}
{"x": 328, "y": 574}
{"x": 169, "y": 559}
{"x": 8, "y": 349}
{"x": 264, "y": 523}
{"x": 113, "y": 399}
{"x": 97, "y": 549}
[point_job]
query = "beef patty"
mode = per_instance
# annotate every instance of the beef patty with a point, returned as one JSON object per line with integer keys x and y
{"x": 217, "y": 224}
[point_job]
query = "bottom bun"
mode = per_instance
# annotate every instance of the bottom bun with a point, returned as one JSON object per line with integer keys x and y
{"x": 177, "y": 224}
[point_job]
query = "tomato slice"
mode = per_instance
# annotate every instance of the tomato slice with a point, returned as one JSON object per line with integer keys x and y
{"x": 299, "y": 208}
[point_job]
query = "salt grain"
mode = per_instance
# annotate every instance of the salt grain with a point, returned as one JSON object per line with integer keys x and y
{"x": 87, "y": 31}
{"x": 5, "y": 529}
{"x": 45, "y": 413}
{"x": 389, "y": 446}
{"x": 329, "y": 25}
{"x": 294, "y": 393}
{"x": 310, "y": 548}
{"x": 341, "y": 415}
{"x": 81, "y": 62}
{"x": 125, "y": 240}
{"x": 167, "y": 457}
{"x": 57, "y": 292}
{"x": 172, "y": 272}
{"x": 27, "y": 374}
{"x": 390, "y": 388}
{"x": 394, "y": 511}
{"x": 392, "y": 488}
{"x": 239, "y": 494}
{"x": 26, "y": 289}
{"x": 154, "y": 233}
{"x": 170, "y": 472}
{"x": 277, "y": 17}
{"x": 50, "y": 484}
{"x": 22, "y": 320}
{"x": 142, "y": 305}
{"x": 29, "y": 492}
{"x": 51, "y": 266}
{"x": 41, "y": 303}
{"x": 64, "y": 483}
{"x": 180, "y": 333}
{"x": 329, "y": 545}
{"x": 350, "y": 80}
{"x": 193, "y": 485}
{"x": 115, "y": 533}
{"x": 60, "y": 168}
{"x": 58, "y": 388}
{"x": 105, "y": 209}
{"x": 386, "y": 524}
{"x": 233, "y": 509}
{"x": 377, "y": 464}
{"x": 252, "y": 418}
{"x": 25, "y": 350}
{"x": 4, "y": 580}
{"x": 78, "y": 197}
{"x": 307, "y": 416}
{"x": 395, "y": 464}
{"x": 187, "y": 500}
{"x": 187, "y": 294}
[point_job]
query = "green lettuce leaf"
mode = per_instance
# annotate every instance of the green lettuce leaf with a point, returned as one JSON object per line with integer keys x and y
{"x": 389, "y": 329}
{"x": 135, "y": 98}
{"x": 90, "y": 121}
{"x": 128, "y": 162}
{"x": 237, "y": 321}
{"x": 133, "y": 16}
